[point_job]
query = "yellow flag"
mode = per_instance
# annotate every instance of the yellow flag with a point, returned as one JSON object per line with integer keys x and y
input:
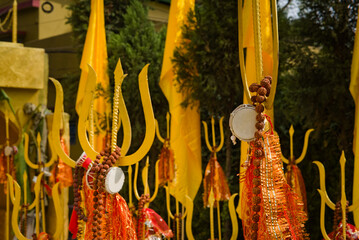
{"x": 354, "y": 89}
{"x": 250, "y": 61}
{"x": 185, "y": 122}
{"x": 95, "y": 54}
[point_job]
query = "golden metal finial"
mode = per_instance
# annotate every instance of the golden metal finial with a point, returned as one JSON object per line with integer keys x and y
{"x": 305, "y": 147}
{"x": 325, "y": 200}
{"x": 145, "y": 182}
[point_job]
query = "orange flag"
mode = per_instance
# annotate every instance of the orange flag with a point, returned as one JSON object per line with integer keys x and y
{"x": 95, "y": 54}
{"x": 185, "y": 122}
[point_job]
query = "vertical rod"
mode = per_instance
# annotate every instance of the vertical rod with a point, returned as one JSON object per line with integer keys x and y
{"x": 42, "y": 195}
{"x": 219, "y": 221}
{"x": 7, "y": 233}
{"x": 257, "y": 39}
{"x": 14, "y": 22}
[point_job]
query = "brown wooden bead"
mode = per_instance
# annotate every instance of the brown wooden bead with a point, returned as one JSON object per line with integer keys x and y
{"x": 254, "y": 226}
{"x": 259, "y": 108}
{"x": 260, "y": 98}
{"x": 256, "y": 182}
{"x": 100, "y": 177}
{"x": 95, "y": 193}
{"x": 95, "y": 206}
{"x": 99, "y": 215}
{"x": 256, "y": 162}
{"x": 254, "y": 236}
{"x": 100, "y": 208}
{"x": 258, "y": 143}
{"x": 255, "y": 217}
{"x": 95, "y": 199}
{"x": 258, "y": 153}
{"x": 100, "y": 202}
{"x": 256, "y": 190}
{"x": 260, "y": 117}
{"x": 269, "y": 78}
{"x": 102, "y": 153}
{"x": 256, "y": 172}
{"x": 103, "y": 170}
{"x": 254, "y": 87}
{"x": 99, "y": 228}
{"x": 258, "y": 134}
{"x": 256, "y": 208}
{"x": 106, "y": 166}
{"x": 256, "y": 200}
{"x": 262, "y": 91}
{"x": 94, "y": 229}
{"x": 260, "y": 125}
{"x": 265, "y": 81}
{"x": 95, "y": 211}
{"x": 254, "y": 99}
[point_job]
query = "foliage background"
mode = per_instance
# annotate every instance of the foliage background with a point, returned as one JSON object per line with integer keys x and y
{"x": 313, "y": 85}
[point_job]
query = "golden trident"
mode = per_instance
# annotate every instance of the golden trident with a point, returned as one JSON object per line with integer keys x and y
{"x": 15, "y": 196}
{"x": 189, "y": 202}
{"x": 119, "y": 114}
{"x": 40, "y": 166}
{"x": 305, "y": 147}
{"x": 325, "y": 200}
{"x": 214, "y": 149}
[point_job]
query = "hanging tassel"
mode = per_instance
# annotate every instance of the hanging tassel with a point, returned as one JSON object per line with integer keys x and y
{"x": 166, "y": 168}
{"x": 215, "y": 179}
{"x": 296, "y": 182}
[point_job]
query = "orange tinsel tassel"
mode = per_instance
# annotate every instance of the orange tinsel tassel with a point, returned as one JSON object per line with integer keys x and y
{"x": 281, "y": 214}
{"x": 296, "y": 182}
{"x": 215, "y": 179}
{"x": 166, "y": 168}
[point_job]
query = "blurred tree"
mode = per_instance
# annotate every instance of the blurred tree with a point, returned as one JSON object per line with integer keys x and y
{"x": 313, "y": 92}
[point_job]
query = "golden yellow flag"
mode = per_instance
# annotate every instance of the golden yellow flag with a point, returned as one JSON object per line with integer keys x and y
{"x": 250, "y": 61}
{"x": 354, "y": 89}
{"x": 185, "y": 122}
{"x": 95, "y": 54}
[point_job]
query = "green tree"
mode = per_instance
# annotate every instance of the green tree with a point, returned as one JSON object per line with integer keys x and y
{"x": 313, "y": 92}
{"x": 207, "y": 69}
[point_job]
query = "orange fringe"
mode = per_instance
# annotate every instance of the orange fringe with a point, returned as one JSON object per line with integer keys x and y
{"x": 166, "y": 167}
{"x": 296, "y": 182}
{"x": 281, "y": 213}
{"x": 215, "y": 179}
{"x": 117, "y": 222}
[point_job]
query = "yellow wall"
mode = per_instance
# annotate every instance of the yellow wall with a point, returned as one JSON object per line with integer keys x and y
{"x": 54, "y": 23}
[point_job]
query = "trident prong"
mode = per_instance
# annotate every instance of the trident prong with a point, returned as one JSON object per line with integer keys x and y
{"x": 15, "y": 197}
{"x": 145, "y": 182}
{"x": 214, "y": 149}
{"x": 325, "y": 200}
{"x": 158, "y": 134}
{"x": 305, "y": 146}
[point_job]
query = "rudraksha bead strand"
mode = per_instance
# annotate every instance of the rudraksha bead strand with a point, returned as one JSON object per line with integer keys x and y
{"x": 262, "y": 92}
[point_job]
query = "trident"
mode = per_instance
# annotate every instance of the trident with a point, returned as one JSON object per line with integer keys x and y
{"x": 305, "y": 147}
{"x": 15, "y": 197}
{"x": 119, "y": 113}
{"x": 214, "y": 149}
{"x": 189, "y": 202}
{"x": 325, "y": 200}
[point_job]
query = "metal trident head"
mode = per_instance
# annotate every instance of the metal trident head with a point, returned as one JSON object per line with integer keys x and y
{"x": 325, "y": 200}
{"x": 305, "y": 147}
{"x": 15, "y": 197}
{"x": 119, "y": 114}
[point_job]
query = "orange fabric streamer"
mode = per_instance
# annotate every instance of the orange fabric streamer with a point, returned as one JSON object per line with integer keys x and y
{"x": 3, "y": 168}
{"x": 166, "y": 167}
{"x": 281, "y": 214}
{"x": 61, "y": 172}
{"x": 296, "y": 182}
{"x": 118, "y": 220}
{"x": 215, "y": 179}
